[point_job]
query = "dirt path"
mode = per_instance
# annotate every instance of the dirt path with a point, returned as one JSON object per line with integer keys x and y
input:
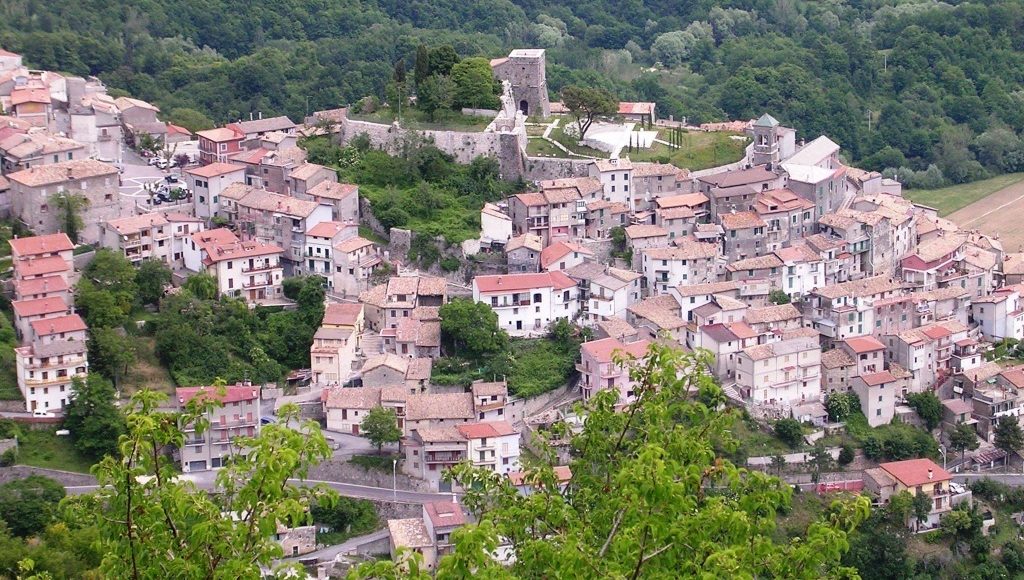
{"x": 1000, "y": 214}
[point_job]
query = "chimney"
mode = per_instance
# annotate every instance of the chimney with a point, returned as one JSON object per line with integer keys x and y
{"x": 931, "y": 474}
{"x": 250, "y": 116}
{"x": 261, "y": 115}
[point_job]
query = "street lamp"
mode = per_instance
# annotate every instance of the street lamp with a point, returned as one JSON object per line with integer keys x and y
{"x": 394, "y": 478}
{"x": 942, "y": 450}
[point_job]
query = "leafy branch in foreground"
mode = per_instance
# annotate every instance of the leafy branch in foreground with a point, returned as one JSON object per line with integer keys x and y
{"x": 155, "y": 524}
{"x": 650, "y": 496}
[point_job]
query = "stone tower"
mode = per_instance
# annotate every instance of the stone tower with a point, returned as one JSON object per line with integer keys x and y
{"x": 766, "y": 141}
{"x": 523, "y": 68}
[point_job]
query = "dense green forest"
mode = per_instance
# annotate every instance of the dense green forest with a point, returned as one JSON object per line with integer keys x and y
{"x": 898, "y": 83}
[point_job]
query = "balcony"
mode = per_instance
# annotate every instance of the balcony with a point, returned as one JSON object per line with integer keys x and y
{"x": 444, "y": 457}
{"x": 131, "y": 243}
{"x": 256, "y": 284}
{"x": 54, "y": 364}
{"x": 259, "y": 267}
{"x": 490, "y": 405}
{"x": 52, "y": 380}
{"x": 196, "y": 441}
{"x": 240, "y": 422}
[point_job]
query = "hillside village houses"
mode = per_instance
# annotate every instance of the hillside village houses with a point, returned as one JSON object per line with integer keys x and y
{"x": 801, "y": 276}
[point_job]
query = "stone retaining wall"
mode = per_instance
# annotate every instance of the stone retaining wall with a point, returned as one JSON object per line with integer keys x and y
{"x": 341, "y": 470}
{"x": 68, "y": 478}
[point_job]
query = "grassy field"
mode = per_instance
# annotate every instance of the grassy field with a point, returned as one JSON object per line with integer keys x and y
{"x": 949, "y": 199}
{"x": 43, "y": 448}
{"x": 415, "y": 119}
{"x": 542, "y": 148}
{"x": 699, "y": 150}
{"x": 572, "y": 144}
{"x": 147, "y": 370}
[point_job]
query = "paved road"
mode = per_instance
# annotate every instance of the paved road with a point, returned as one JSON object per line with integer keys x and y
{"x": 346, "y": 489}
{"x": 329, "y": 553}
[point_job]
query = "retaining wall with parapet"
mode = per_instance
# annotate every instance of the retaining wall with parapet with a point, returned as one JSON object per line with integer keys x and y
{"x": 339, "y": 469}
{"x": 541, "y": 168}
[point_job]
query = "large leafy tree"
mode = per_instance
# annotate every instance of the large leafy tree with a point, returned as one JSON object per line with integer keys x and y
{"x": 586, "y": 104}
{"x": 649, "y": 497}
{"x": 111, "y": 353}
{"x": 380, "y": 426}
{"x": 69, "y": 208}
{"x": 471, "y": 328}
{"x": 474, "y": 84}
{"x": 151, "y": 278}
{"x": 155, "y": 525}
{"x": 1008, "y": 435}
{"x": 928, "y": 407}
{"x": 963, "y": 438}
{"x": 94, "y": 420}
{"x": 28, "y": 505}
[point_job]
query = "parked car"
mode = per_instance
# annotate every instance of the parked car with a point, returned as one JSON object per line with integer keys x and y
{"x": 153, "y": 160}
{"x": 162, "y": 163}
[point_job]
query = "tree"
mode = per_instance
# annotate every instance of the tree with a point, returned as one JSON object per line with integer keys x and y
{"x": 779, "y": 463}
{"x": 203, "y": 286}
{"x": 28, "y": 505}
{"x": 111, "y": 272}
{"x": 962, "y": 438}
{"x": 586, "y": 103}
{"x": 69, "y": 208}
{"x": 471, "y": 328}
{"x": 846, "y": 454}
{"x": 99, "y": 308}
{"x": 190, "y": 119}
{"x": 928, "y": 407}
{"x": 790, "y": 432}
{"x": 443, "y": 59}
{"x": 649, "y": 497}
{"x": 779, "y": 297}
{"x": 474, "y": 84}
{"x": 93, "y": 419}
{"x": 380, "y": 426}
{"x": 840, "y": 405}
{"x": 821, "y": 460}
{"x": 421, "y": 69}
{"x": 433, "y": 94}
{"x": 111, "y": 353}
{"x": 182, "y": 159}
{"x": 1008, "y": 435}
{"x": 151, "y": 278}
{"x": 148, "y": 512}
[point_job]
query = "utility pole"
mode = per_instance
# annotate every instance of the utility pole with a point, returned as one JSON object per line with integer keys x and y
{"x": 870, "y": 112}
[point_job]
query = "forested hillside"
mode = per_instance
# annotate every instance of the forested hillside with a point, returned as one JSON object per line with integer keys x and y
{"x": 897, "y": 83}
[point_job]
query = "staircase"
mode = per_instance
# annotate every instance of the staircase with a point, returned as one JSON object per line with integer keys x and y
{"x": 370, "y": 344}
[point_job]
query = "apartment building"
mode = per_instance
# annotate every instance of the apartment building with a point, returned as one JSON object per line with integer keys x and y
{"x": 1000, "y": 314}
{"x": 782, "y": 374}
{"x": 599, "y": 370}
{"x": 54, "y": 355}
{"x": 846, "y": 309}
{"x": 605, "y": 292}
{"x": 688, "y": 262}
{"x": 23, "y": 150}
{"x": 319, "y": 246}
{"x": 249, "y": 270}
{"x": 527, "y": 303}
{"x": 788, "y": 216}
{"x": 640, "y": 237}
{"x": 283, "y": 221}
{"x": 354, "y": 262}
{"x": 735, "y": 190}
{"x": 523, "y": 253}
{"x": 342, "y": 198}
{"x": 916, "y": 477}
{"x": 563, "y": 255}
{"x": 744, "y": 235}
{"x": 139, "y": 237}
{"x": 237, "y": 416}
{"x": 208, "y": 182}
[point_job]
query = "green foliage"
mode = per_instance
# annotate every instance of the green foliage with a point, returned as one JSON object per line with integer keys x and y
{"x": 897, "y": 442}
{"x": 586, "y": 104}
{"x": 450, "y": 264}
{"x": 93, "y": 419}
{"x": 377, "y": 462}
{"x": 9, "y": 429}
{"x": 779, "y": 297}
{"x": 107, "y": 292}
{"x": 963, "y": 438}
{"x": 928, "y": 407}
{"x": 1008, "y": 435}
{"x": 111, "y": 353}
{"x": 846, "y": 454}
{"x": 28, "y": 505}
{"x": 470, "y": 329}
{"x": 203, "y": 286}
{"x": 150, "y": 513}
{"x": 840, "y": 405}
{"x": 790, "y": 431}
{"x": 474, "y": 85}
{"x": 380, "y": 426}
{"x": 69, "y": 207}
{"x": 649, "y": 497}
{"x": 346, "y": 518}
{"x": 150, "y": 279}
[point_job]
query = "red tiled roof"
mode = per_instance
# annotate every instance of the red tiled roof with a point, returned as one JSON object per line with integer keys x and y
{"x": 36, "y": 245}
{"x": 445, "y": 513}
{"x": 41, "y": 285}
{"x": 482, "y": 430}
{"x": 878, "y": 378}
{"x": 29, "y": 95}
{"x": 862, "y": 344}
{"x": 936, "y": 332}
{"x": 39, "y": 306}
{"x": 604, "y": 350}
{"x": 915, "y": 472}
{"x": 58, "y": 325}
{"x": 41, "y": 266}
{"x": 562, "y": 472}
{"x": 232, "y": 394}
{"x": 342, "y": 314}
{"x": 520, "y": 282}
{"x": 627, "y": 108}
{"x": 326, "y": 229}
{"x": 215, "y": 169}
{"x": 176, "y": 130}
{"x": 555, "y": 251}
{"x": 221, "y": 134}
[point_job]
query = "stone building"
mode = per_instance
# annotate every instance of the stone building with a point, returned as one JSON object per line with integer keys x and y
{"x": 524, "y": 69}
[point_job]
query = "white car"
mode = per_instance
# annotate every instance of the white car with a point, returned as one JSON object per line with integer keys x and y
{"x": 162, "y": 163}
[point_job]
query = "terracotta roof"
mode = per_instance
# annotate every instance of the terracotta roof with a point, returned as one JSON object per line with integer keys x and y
{"x": 645, "y": 231}
{"x": 419, "y": 369}
{"x": 662, "y": 310}
{"x": 29, "y": 95}
{"x": 604, "y": 350}
{"x": 741, "y": 220}
{"x": 627, "y": 108}
{"x": 28, "y": 145}
{"x": 58, "y": 325}
{"x": 136, "y": 223}
{"x": 799, "y": 253}
{"x": 708, "y": 289}
{"x": 220, "y": 135}
{"x": 332, "y": 190}
{"x": 755, "y": 263}
{"x": 250, "y": 156}
{"x": 556, "y": 251}
{"x": 35, "y": 245}
{"x": 520, "y": 282}
{"x": 623, "y": 164}
{"x": 1014, "y": 264}
{"x": 352, "y": 244}
{"x": 209, "y": 238}
{"x": 875, "y": 379}
{"x": 863, "y": 344}
{"x": 351, "y": 398}
{"x": 488, "y": 389}
{"x": 326, "y": 229}
{"x": 39, "y": 306}
{"x": 342, "y": 314}
{"x": 215, "y": 169}
{"x": 41, "y": 266}
{"x": 264, "y": 125}
{"x": 836, "y": 358}
{"x": 490, "y": 429}
{"x": 63, "y": 172}
{"x": 531, "y": 199}
{"x": 528, "y": 241}
{"x": 686, "y": 250}
{"x": 237, "y": 250}
{"x": 445, "y": 514}
{"x": 264, "y": 200}
{"x": 768, "y": 314}
{"x": 860, "y": 288}
{"x": 40, "y": 285}
{"x": 432, "y": 406}
{"x": 232, "y": 394}
{"x": 915, "y": 472}
{"x": 676, "y": 213}
{"x": 519, "y": 478}
{"x": 409, "y": 533}
{"x": 176, "y": 130}
{"x": 958, "y": 406}
{"x": 738, "y": 177}
{"x": 657, "y": 169}
{"x": 690, "y": 200}
{"x": 124, "y": 103}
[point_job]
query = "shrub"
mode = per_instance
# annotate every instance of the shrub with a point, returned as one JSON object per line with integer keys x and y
{"x": 790, "y": 432}
{"x": 846, "y": 454}
{"x": 450, "y": 264}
